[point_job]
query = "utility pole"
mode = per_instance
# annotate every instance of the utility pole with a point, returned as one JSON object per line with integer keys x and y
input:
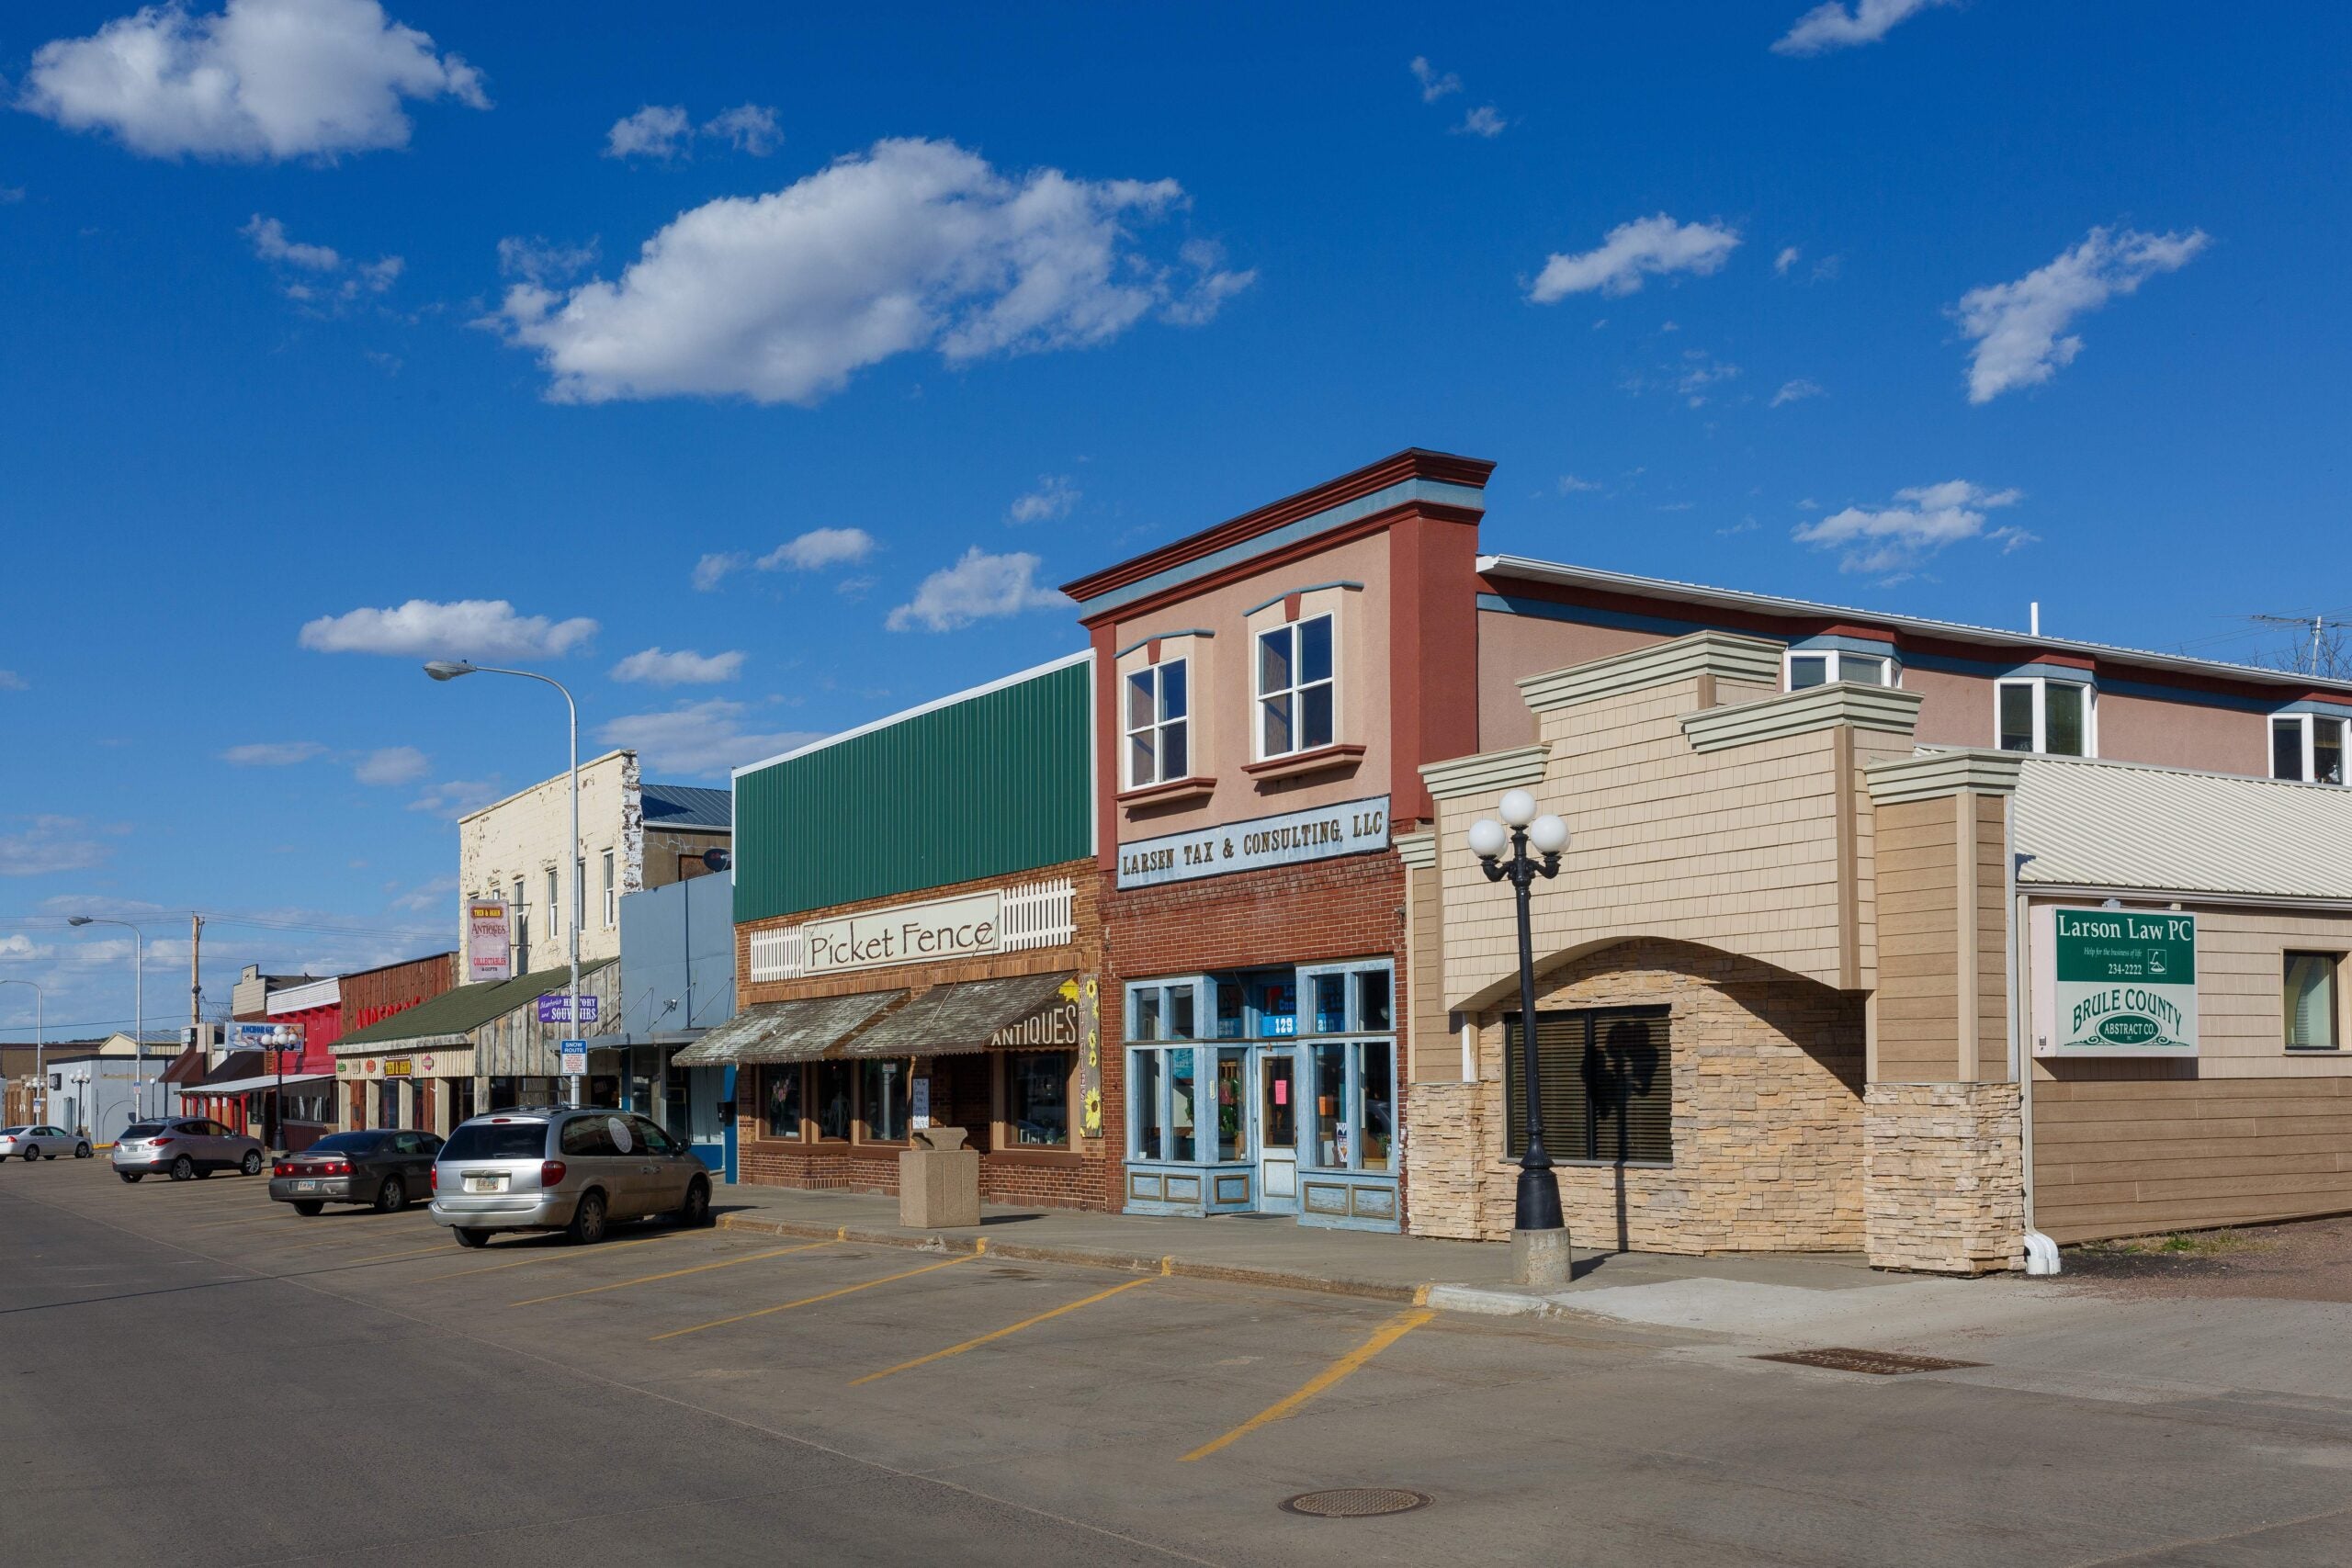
{"x": 196, "y": 984}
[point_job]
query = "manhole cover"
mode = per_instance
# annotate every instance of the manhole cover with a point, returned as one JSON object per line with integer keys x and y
{"x": 1877, "y": 1363}
{"x": 1355, "y": 1502}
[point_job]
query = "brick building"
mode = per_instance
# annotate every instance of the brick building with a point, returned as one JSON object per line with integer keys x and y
{"x": 916, "y": 910}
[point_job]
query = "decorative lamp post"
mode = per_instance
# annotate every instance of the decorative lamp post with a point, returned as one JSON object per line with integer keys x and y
{"x": 41, "y": 1065}
{"x": 1539, "y": 1236}
{"x": 281, "y": 1038}
{"x": 450, "y": 669}
{"x": 138, "y": 992}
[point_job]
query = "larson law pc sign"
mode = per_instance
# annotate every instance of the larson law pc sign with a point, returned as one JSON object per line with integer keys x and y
{"x": 2115, "y": 983}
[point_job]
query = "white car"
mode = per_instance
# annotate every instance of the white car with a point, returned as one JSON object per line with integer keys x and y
{"x": 42, "y": 1143}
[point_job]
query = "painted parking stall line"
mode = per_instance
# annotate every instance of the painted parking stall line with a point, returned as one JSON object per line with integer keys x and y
{"x": 672, "y": 1274}
{"x": 1396, "y": 1329}
{"x": 1008, "y": 1329}
{"x": 812, "y": 1301}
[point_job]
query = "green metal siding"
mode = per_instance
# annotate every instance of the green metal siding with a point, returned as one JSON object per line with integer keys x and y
{"x": 997, "y": 783}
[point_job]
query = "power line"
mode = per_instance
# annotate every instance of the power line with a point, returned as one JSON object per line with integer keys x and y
{"x": 411, "y": 932}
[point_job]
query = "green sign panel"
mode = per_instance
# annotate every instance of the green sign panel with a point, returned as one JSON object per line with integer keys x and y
{"x": 2125, "y": 983}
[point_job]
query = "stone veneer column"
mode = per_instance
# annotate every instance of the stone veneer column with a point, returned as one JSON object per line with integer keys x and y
{"x": 1943, "y": 1167}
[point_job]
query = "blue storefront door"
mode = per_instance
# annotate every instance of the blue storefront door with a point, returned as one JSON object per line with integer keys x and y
{"x": 706, "y": 1129}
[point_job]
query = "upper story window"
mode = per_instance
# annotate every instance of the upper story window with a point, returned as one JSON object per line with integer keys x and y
{"x": 1159, "y": 704}
{"x": 612, "y": 894}
{"x": 2307, "y": 748}
{"x": 552, "y": 895}
{"x": 1819, "y": 666}
{"x": 2056, "y": 717}
{"x": 1295, "y": 702}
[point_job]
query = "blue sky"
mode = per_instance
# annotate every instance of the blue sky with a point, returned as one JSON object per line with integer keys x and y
{"x": 1935, "y": 308}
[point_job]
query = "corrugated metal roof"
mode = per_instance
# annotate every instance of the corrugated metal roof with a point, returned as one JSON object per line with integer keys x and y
{"x": 2091, "y": 824}
{"x": 687, "y": 806}
{"x": 466, "y": 1007}
{"x": 950, "y": 1018}
{"x": 785, "y": 1031}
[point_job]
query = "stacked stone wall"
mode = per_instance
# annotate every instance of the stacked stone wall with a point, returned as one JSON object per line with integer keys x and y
{"x": 1944, "y": 1177}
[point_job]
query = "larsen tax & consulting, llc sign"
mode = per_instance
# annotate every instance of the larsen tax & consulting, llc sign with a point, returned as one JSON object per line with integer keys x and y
{"x": 2114, "y": 983}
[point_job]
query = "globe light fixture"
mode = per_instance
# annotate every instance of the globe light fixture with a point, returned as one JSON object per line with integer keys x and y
{"x": 1488, "y": 838}
{"x": 1518, "y": 807}
{"x": 1548, "y": 834}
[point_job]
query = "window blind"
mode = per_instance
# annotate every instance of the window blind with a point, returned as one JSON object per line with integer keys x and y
{"x": 1607, "y": 1086}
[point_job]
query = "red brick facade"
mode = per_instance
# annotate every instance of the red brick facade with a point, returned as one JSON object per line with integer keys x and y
{"x": 1084, "y": 1178}
{"x": 1320, "y": 911}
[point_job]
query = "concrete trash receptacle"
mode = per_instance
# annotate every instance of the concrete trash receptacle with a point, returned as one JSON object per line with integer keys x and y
{"x": 938, "y": 1180}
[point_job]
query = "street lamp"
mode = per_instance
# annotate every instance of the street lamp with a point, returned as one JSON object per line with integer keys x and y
{"x": 139, "y": 982}
{"x": 450, "y": 669}
{"x": 1539, "y": 1236}
{"x": 40, "y": 1064}
{"x": 278, "y": 1039}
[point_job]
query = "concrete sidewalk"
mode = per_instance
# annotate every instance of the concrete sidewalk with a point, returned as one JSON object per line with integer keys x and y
{"x": 1273, "y": 1249}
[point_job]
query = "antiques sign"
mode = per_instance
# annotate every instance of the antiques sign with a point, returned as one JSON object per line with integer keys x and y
{"x": 1352, "y": 827}
{"x": 2115, "y": 983}
{"x": 488, "y": 955}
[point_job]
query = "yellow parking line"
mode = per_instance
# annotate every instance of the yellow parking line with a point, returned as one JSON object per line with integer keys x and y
{"x": 552, "y": 1255}
{"x": 672, "y": 1274}
{"x": 382, "y": 1257}
{"x": 812, "y": 1301}
{"x": 998, "y": 1334}
{"x": 1396, "y": 1328}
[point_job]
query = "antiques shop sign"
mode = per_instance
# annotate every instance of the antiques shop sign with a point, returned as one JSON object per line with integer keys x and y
{"x": 2115, "y": 983}
{"x": 942, "y": 930}
{"x": 1350, "y": 827}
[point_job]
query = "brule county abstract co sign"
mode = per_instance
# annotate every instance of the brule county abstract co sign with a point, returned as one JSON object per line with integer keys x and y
{"x": 2116, "y": 982}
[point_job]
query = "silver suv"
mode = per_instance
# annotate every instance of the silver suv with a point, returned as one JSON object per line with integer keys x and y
{"x": 560, "y": 1168}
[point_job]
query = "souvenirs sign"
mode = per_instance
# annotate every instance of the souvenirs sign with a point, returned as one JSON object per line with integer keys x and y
{"x": 2115, "y": 983}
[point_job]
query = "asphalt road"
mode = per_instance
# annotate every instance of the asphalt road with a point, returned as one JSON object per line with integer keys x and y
{"x": 197, "y": 1375}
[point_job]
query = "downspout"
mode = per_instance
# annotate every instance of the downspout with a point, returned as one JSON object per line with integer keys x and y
{"x": 2041, "y": 1252}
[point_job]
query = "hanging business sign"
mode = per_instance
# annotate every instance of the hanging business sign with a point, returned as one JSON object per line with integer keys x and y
{"x": 2114, "y": 983}
{"x": 489, "y": 950}
{"x": 1350, "y": 827}
{"x": 264, "y": 1037}
{"x": 555, "y": 1007}
{"x": 932, "y": 932}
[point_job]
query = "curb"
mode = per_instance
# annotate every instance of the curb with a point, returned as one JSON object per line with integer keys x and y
{"x": 1089, "y": 1258}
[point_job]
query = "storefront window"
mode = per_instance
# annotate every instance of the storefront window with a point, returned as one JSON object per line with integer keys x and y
{"x": 784, "y": 1087}
{"x": 1330, "y": 1003}
{"x": 1607, "y": 1085}
{"x": 1376, "y": 1102}
{"x": 506, "y": 1093}
{"x": 1038, "y": 1098}
{"x": 882, "y": 1100}
{"x": 1232, "y": 1105}
{"x": 832, "y": 1100}
{"x": 1277, "y": 1008}
{"x": 1181, "y": 1022}
{"x": 1147, "y": 1013}
{"x": 1182, "y": 1143}
{"x": 1371, "y": 1002}
{"x": 1163, "y": 1012}
{"x": 1232, "y": 1009}
{"x": 1143, "y": 1095}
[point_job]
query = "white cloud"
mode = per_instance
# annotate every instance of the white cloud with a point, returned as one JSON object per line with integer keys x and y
{"x": 1571, "y": 485}
{"x": 2016, "y": 326}
{"x": 657, "y": 131}
{"x": 977, "y": 587}
{"x": 911, "y": 245}
{"x": 684, "y": 668}
{"x": 712, "y": 569}
{"x": 819, "y": 548}
{"x": 272, "y": 753}
{"x": 1433, "y": 87}
{"x": 1701, "y": 373}
{"x": 1050, "y": 502}
{"x": 748, "y": 127}
{"x": 12, "y": 682}
{"x": 427, "y": 897}
{"x": 318, "y": 273}
{"x": 1482, "y": 121}
{"x": 391, "y": 765}
{"x": 453, "y": 799}
{"x": 1797, "y": 390}
{"x": 1925, "y": 520}
{"x": 1834, "y": 25}
{"x": 538, "y": 260}
{"x": 259, "y": 79}
{"x": 1785, "y": 260}
{"x": 1656, "y": 244}
{"x": 50, "y": 843}
{"x": 1196, "y": 303}
{"x": 698, "y": 738}
{"x": 424, "y": 628}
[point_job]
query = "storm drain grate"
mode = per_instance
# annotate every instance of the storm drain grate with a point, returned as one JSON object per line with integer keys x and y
{"x": 1877, "y": 1363}
{"x": 1355, "y": 1502}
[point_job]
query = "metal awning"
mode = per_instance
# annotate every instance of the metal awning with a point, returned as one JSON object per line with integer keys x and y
{"x": 948, "y": 1020}
{"x": 247, "y": 1085}
{"x": 785, "y": 1031}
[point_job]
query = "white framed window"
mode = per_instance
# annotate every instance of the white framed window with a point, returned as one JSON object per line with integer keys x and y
{"x": 554, "y": 895}
{"x": 2058, "y": 719}
{"x": 1811, "y": 667}
{"x": 1157, "y": 729}
{"x": 2311, "y": 1001}
{"x": 2307, "y": 748}
{"x": 612, "y": 894}
{"x": 1297, "y": 688}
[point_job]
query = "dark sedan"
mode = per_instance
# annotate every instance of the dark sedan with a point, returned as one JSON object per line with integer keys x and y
{"x": 382, "y": 1166}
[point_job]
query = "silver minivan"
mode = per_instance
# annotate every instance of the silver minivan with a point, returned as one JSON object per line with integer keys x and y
{"x": 559, "y": 1167}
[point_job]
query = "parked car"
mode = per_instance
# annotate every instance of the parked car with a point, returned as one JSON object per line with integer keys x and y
{"x": 385, "y": 1166}
{"x": 553, "y": 1167}
{"x": 42, "y": 1143}
{"x": 184, "y": 1148}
